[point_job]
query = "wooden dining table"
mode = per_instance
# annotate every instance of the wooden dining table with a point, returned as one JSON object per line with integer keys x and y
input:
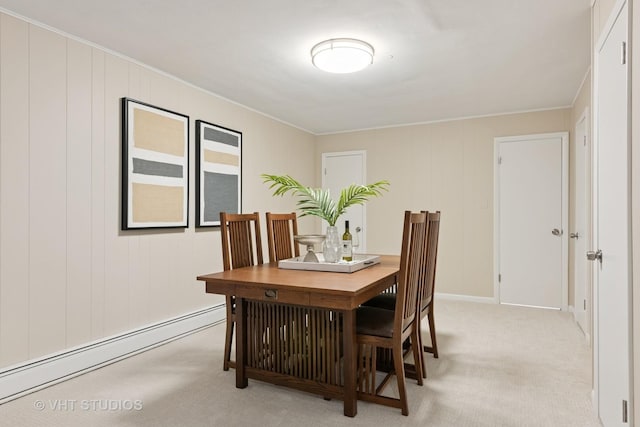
{"x": 297, "y": 328}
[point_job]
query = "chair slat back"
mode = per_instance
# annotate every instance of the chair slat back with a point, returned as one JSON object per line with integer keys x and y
{"x": 423, "y": 272}
{"x": 411, "y": 265}
{"x": 280, "y": 231}
{"x": 241, "y": 240}
{"x": 431, "y": 257}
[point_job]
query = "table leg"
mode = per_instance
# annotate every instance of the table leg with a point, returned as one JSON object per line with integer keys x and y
{"x": 241, "y": 342}
{"x": 350, "y": 354}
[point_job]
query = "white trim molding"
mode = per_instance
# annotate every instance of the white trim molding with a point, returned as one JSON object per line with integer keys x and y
{"x": 33, "y": 375}
{"x": 468, "y": 298}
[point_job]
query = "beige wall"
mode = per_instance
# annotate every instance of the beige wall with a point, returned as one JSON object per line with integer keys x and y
{"x": 444, "y": 166}
{"x": 68, "y": 275}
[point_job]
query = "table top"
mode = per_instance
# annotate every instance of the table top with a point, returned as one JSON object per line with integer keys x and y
{"x": 303, "y": 287}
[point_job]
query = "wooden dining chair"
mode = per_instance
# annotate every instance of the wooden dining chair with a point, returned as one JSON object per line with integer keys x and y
{"x": 281, "y": 227}
{"x": 379, "y": 328}
{"x": 424, "y": 308}
{"x": 241, "y": 247}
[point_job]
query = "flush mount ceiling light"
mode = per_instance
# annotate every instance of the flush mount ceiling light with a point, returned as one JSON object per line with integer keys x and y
{"x": 342, "y": 55}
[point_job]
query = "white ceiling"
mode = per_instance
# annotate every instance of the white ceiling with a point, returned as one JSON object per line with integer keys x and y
{"x": 434, "y": 60}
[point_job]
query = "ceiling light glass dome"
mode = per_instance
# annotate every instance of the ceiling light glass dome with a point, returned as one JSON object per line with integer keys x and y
{"x": 342, "y": 55}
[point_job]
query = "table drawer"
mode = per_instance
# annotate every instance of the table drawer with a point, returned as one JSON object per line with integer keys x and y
{"x": 271, "y": 294}
{"x": 220, "y": 288}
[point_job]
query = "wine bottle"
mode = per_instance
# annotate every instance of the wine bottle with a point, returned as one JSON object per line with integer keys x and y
{"x": 347, "y": 247}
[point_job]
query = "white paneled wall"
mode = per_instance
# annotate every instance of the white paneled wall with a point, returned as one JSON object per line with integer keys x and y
{"x": 68, "y": 275}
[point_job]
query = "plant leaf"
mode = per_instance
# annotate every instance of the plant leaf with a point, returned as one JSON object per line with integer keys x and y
{"x": 318, "y": 201}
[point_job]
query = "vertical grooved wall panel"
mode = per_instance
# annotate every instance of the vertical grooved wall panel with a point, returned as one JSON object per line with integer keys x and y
{"x": 14, "y": 190}
{"x": 116, "y": 292}
{"x": 98, "y": 207}
{"x": 47, "y": 191}
{"x": 78, "y": 193}
{"x": 158, "y": 298}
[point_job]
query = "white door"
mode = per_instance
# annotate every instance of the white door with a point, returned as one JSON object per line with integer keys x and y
{"x": 578, "y": 235}
{"x": 339, "y": 170}
{"x": 531, "y": 220}
{"x": 612, "y": 288}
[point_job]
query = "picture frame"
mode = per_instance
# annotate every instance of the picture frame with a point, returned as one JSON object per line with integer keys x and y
{"x": 218, "y": 172}
{"x": 155, "y": 167}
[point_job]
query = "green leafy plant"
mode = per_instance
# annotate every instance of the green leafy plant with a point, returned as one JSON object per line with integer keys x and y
{"x": 318, "y": 201}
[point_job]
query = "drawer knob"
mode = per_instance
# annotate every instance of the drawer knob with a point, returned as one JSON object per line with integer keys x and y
{"x": 271, "y": 293}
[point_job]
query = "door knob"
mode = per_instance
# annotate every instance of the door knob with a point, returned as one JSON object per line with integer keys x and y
{"x": 574, "y": 236}
{"x": 556, "y": 232}
{"x": 592, "y": 256}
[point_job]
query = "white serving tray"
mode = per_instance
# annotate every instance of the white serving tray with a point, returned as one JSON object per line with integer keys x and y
{"x": 359, "y": 262}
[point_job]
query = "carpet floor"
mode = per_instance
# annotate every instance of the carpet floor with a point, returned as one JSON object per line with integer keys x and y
{"x": 499, "y": 366}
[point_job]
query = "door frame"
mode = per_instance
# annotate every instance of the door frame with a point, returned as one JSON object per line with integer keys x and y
{"x": 564, "y": 282}
{"x": 588, "y": 188}
{"x": 604, "y": 34}
{"x": 363, "y": 156}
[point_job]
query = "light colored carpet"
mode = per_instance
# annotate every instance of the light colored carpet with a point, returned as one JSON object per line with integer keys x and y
{"x": 498, "y": 366}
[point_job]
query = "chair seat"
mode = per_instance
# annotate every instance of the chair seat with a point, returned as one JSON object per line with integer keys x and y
{"x": 385, "y": 300}
{"x": 388, "y": 301}
{"x": 374, "y": 321}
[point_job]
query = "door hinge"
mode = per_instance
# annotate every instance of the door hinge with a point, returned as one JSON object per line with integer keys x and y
{"x": 585, "y": 304}
{"x": 584, "y": 140}
{"x": 499, "y": 278}
{"x": 624, "y": 53}
{"x": 325, "y": 171}
{"x": 625, "y": 412}
{"x": 499, "y": 160}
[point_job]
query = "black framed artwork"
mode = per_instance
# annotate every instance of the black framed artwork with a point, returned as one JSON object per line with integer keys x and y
{"x": 218, "y": 173}
{"x": 155, "y": 167}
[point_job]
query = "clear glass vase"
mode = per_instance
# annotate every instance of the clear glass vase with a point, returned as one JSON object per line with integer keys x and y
{"x": 332, "y": 247}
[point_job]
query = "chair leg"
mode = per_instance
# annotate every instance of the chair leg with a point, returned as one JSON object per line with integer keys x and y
{"x": 398, "y": 361}
{"x": 227, "y": 344}
{"x": 418, "y": 359}
{"x": 420, "y": 346}
{"x": 229, "y": 336}
{"x": 432, "y": 332}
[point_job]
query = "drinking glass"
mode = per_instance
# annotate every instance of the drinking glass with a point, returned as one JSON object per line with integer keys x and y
{"x": 355, "y": 242}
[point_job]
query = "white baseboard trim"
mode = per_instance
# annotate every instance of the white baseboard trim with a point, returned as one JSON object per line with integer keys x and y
{"x": 470, "y": 298}
{"x": 33, "y": 375}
